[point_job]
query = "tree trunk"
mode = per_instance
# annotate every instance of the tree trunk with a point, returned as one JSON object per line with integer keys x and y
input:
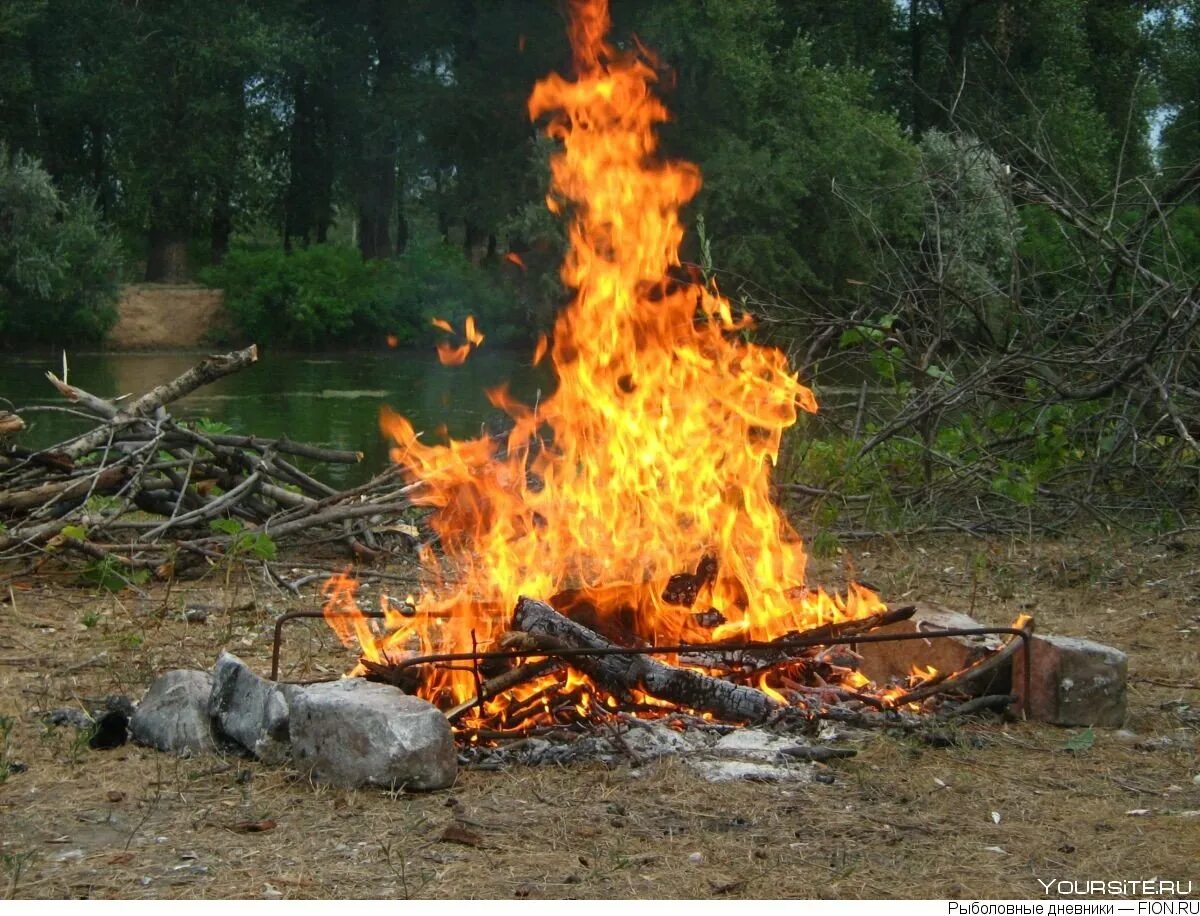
{"x": 100, "y": 181}
{"x": 377, "y": 163}
{"x": 167, "y": 260}
{"x": 222, "y": 225}
{"x": 375, "y": 203}
{"x": 296, "y": 215}
{"x": 915, "y": 54}
{"x": 401, "y": 228}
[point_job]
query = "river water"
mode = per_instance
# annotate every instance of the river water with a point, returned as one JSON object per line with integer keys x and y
{"x": 332, "y": 400}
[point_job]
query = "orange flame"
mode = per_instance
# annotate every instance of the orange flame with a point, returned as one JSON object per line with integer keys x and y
{"x": 456, "y": 356}
{"x": 653, "y": 457}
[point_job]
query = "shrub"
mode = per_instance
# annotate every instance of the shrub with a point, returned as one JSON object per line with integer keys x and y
{"x": 59, "y": 263}
{"x": 327, "y": 294}
{"x": 300, "y": 299}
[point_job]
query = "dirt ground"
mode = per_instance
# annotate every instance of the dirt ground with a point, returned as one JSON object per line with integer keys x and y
{"x": 984, "y": 818}
{"x": 154, "y": 316}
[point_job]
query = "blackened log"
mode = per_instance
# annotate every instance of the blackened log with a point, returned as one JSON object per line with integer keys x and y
{"x": 778, "y": 652}
{"x": 683, "y": 588}
{"x": 621, "y": 674}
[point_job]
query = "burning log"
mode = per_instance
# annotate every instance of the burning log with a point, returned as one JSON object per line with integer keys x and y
{"x": 621, "y": 675}
{"x": 752, "y": 662}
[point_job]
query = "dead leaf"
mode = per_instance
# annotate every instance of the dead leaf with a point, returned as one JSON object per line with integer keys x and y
{"x": 115, "y": 796}
{"x": 121, "y": 858}
{"x": 254, "y": 826}
{"x": 461, "y": 835}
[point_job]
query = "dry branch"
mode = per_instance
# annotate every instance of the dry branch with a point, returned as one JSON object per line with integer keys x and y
{"x": 141, "y": 458}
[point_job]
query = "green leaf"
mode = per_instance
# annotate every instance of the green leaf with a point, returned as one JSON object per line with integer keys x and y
{"x": 111, "y": 576}
{"x": 260, "y": 545}
{"x": 1081, "y": 742}
{"x": 210, "y": 427}
{"x": 230, "y": 526}
{"x": 78, "y": 532}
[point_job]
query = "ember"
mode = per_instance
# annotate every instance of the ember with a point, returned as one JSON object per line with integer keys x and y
{"x": 636, "y": 500}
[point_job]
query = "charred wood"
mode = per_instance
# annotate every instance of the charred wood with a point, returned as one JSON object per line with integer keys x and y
{"x": 623, "y": 675}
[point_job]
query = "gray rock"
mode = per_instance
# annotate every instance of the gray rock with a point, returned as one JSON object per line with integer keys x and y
{"x": 251, "y": 710}
{"x": 1072, "y": 682}
{"x": 353, "y": 732}
{"x": 69, "y": 715}
{"x": 173, "y": 715}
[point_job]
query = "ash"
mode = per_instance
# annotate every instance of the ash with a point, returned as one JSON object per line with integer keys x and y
{"x": 719, "y": 753}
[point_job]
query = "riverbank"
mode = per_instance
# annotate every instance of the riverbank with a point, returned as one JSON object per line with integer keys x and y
{"x": 985, "y": 815}
{"x": 159, "y": 316}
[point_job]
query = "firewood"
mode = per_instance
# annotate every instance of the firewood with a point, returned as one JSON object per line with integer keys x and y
{"x": 621, "y": 675}
{"x": 139, "y": 457}
{"x": 10, "y": 423}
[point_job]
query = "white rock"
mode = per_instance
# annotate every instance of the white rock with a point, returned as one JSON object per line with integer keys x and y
{"x": 353, "y": 732}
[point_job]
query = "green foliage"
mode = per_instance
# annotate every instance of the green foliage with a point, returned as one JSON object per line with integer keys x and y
{"x": 1083, "y": 741}
{"x": 109, "y": 574}
{"x": 244, "y": 542}
{"x": 58, "y": 262}
{"x": 782, "y": 142}
{"x": 327, "y": 294}
{"x": 6, "y": 727}
{"x": 967, "y": 214}
{"x": 210, "y": 427}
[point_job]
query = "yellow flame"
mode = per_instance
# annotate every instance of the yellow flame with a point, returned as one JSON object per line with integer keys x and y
{"x": 656, "y": 449}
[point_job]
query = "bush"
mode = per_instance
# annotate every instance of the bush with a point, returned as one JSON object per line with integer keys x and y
{"x": 59, "y": 263}
{"x": 327, "y": 294}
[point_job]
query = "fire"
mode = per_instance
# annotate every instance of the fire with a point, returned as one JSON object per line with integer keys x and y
{"x": 456, "y": 356}
{"x": 650, "y": 462}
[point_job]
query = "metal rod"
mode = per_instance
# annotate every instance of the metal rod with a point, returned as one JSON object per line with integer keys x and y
{"x": 1025, "y": 634}
{"x": 308, "y": 615}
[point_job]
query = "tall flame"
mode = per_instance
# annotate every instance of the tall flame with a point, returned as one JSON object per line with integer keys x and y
{"x": 653, "y": 456}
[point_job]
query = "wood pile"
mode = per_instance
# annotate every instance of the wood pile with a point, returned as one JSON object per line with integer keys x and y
{"x": 142, "y": 490}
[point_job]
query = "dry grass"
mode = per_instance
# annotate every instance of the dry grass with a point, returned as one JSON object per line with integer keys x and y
{"x": 902, "y": 819}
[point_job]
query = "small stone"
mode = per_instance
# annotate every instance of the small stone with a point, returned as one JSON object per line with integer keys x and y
{"x": 69, "y": 715}
{"x": 1073, "y": 682}
{"x": 251, "y": 710}
{"x": 1196, "y": 779}
{"x": 353, "y": 733}
{"x": 173, "y": 715}
{"x": 196, "y": 614}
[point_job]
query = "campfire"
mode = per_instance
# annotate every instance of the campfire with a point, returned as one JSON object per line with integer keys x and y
{"x": 621, "y": 543}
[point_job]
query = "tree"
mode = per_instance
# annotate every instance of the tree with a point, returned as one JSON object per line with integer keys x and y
{"x": 58, "y": 261}
{"x": 781, "y": 141}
